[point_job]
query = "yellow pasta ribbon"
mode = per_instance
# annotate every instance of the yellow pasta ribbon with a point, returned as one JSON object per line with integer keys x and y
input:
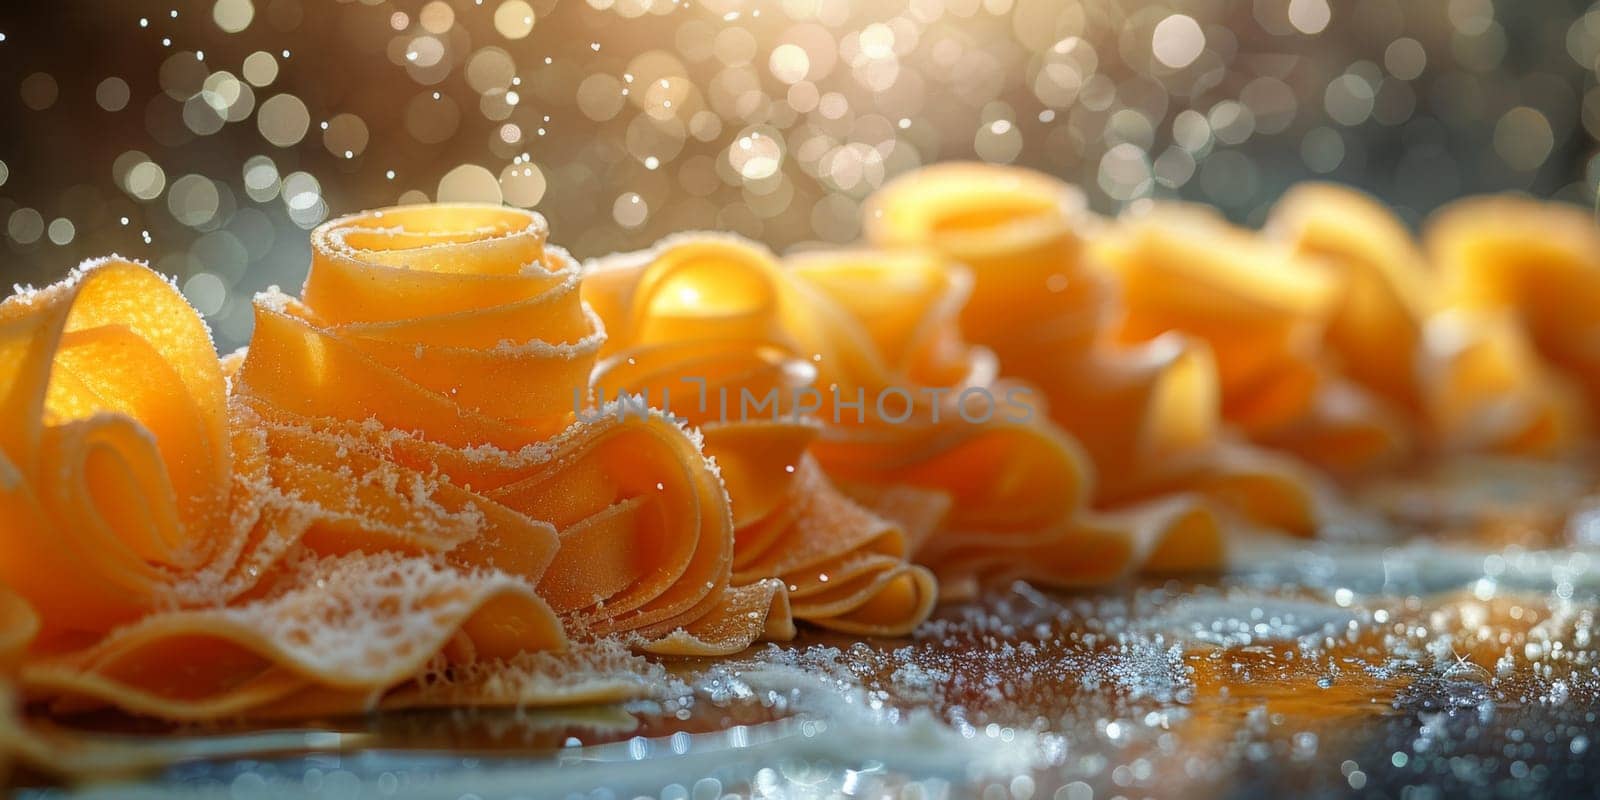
{"x": 453, "y": 339}
{"x": 939, "y": 423}
{"x": 1467, "y": 378}
{"x": 700, "y": 325}
{"x": 115, "y": 459}
{"x": 1146, "y": 411}
{"x": 152, "y": 536}
{"x": 1522, "y": 276}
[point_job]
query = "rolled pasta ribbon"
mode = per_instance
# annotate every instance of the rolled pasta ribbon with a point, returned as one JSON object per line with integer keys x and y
{"x": 452, "y": 340}
{"x": 1021, "y": 234}
{"x": 926, "y": 394}
{"x": 115, "y": 458}
{"x": 346, "y": 627}
{"x": 699, "y": 325}
{"x": 133, "y": 501}
{"x": 1537, "y": 262}
{"x": 139, "y": 504}
{"x": 1383, "y": 293}
{"x": 1263, "y": 309}
{"x": 1147, "y": 412}
{"x": 718, "y": 311}
{"x": 1466, "y": 379}
{"x": 1015, "y": 485}
{"x": 1036, "y": 303}
{"x": 1486, "y": 389}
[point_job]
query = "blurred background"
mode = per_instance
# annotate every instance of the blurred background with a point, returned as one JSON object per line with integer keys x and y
{"x": 208, "y": 136}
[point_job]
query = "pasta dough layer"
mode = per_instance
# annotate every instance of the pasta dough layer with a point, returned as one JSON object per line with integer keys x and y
{"x": 1467, "y": 380}
{"x": 1012, "y": 484}
{"x": 701, "y": 325}
{"x": 453, "y": 340}
{"x": 851, "y": 364}
{"x": 1521, "y": 277}
{"x": 115, "y": 459}
{"x": 140, "y": 493}
{"x": 1148, "y": 410}
{"x": 1161, "y": 336}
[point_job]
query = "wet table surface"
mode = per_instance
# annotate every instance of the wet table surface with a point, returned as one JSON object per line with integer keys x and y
{"x": 1440, "y": 643}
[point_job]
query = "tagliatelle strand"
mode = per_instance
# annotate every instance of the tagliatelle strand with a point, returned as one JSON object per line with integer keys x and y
{"x": 1532, "y": 268}
{"x": 1014, "y": 486}
{"x": 170, "y": 517}
{"x": 1467, "y": 379}
{"x": 1148, "y": 412}
{"x": 357, "y": 624}
{"x": 115, "y": 459}
{"x": 460, "y": 339}
{"x": 700, "y": 324}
